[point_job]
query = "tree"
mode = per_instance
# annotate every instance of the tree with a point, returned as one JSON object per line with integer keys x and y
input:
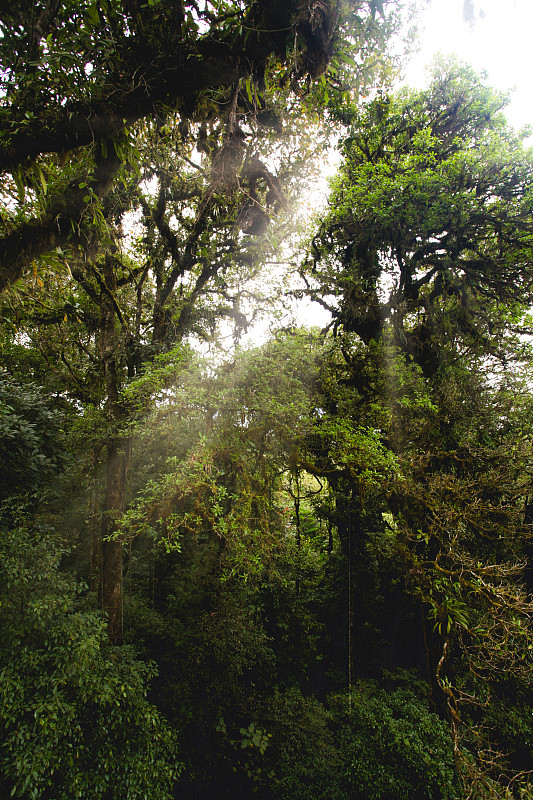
{"x": 66, "y": 697}
{"x": 432, "y": 203}
{"x": 247, "y": 600}
{"x": 81, "y": 139}
{"x": 74, "y": 718}
{"x": 31, "y": 450}
{"x": 111, "y": 315}
{"x": 77, "y": 77}
{"x": 425, "y": 261}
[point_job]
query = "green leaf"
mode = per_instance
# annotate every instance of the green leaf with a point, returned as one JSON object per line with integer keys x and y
{"x": 92, "y": 17}
{"x": 42, "y": 179}
{"x": 19, "y": 183}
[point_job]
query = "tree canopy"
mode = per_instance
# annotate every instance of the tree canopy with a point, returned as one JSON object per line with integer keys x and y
{"x": 78, "y": 77}
{"x": 433, "y": 201}
{"x": 298, "y": 568}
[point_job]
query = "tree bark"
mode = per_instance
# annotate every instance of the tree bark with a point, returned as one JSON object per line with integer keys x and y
{"x": 118, "y": 458}
{"x": 95, "y": 546}
{"x": 174, "y": 71}
{"x": 58, "y": 226}
{"x": 348, "y": 516}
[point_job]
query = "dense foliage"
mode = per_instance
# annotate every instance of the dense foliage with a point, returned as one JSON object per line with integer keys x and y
{"x": 296, "y": 569}
{"x": 74, "y": 718}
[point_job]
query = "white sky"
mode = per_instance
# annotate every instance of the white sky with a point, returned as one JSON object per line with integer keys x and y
{"x": 500, "y": 42}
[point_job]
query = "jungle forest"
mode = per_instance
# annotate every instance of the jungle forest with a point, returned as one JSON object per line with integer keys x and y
{"x": 294, "y": 564}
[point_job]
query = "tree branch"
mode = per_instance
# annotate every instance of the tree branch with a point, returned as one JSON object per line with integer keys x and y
{"x": 61, "y": 224}
{"x": 146, "y": 79}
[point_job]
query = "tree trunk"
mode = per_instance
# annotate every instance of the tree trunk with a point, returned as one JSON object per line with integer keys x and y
{"x": 348, "y": 515}
{"x": 354, "y": 535}
{"x": 118, "y": 458}
{"x": 95, "y": 546}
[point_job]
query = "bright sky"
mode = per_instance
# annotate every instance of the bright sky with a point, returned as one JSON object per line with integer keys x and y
{"x": 500, "y": 42}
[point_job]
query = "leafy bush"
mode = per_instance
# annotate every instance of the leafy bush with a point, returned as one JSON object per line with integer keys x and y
{"x": 74, "y": 719}
{"x": 395, "y": 747}
{"x": 303, "y": 758}
{"x": 30, "y": 436}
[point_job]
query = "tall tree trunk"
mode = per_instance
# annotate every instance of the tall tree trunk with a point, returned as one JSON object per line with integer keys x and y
{"x": 118, "y": 458}
{"x": 354, "y": 536}
{"x": 348, "y": 514}
{"x": 95, "y": 533}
